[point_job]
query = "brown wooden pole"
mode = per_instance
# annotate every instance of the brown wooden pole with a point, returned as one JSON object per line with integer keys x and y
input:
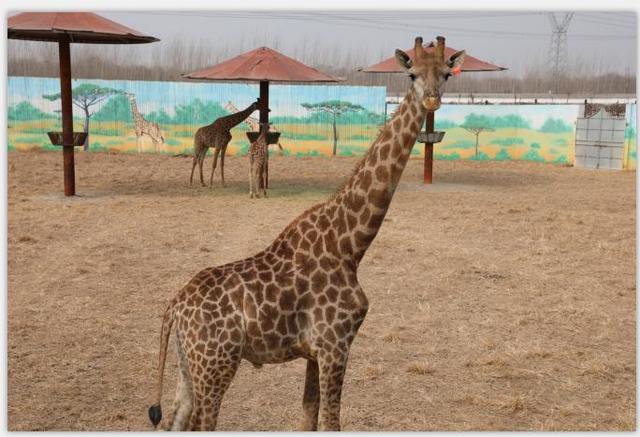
{"x": 264, "y": 118}
{"x": 428, "y": 151}
{"x": 67, "y": 117}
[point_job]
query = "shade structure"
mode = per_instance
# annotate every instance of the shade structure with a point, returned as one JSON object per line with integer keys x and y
{"x": 78, "y": 27}
{"x": 65, "y": 28}
{"x": 470, "y": 64}
{"x": 262, "y": 65}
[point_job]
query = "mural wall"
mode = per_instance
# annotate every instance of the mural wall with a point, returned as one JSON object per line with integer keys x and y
{"x": 305, "y": 116}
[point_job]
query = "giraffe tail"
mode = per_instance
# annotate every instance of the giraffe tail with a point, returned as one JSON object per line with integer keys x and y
{"x": 155, "y": 412}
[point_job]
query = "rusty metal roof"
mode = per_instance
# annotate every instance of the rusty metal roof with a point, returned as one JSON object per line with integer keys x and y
{"x": 82, "y": 27}
{"x": 470, "y": 63}
{"x": 262, "y": 64}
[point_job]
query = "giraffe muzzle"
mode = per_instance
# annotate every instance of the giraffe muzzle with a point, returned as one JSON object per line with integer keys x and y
{"x": 431, "y": 103}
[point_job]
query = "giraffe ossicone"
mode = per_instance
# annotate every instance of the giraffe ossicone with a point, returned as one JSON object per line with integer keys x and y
{"x": 300, "y": 296}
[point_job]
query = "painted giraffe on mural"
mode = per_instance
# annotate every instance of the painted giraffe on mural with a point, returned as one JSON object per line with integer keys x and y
{"x": 216, "y": 135}
{"x": 300, "y": 296}
{"x": 142, "y": 126}
{"x": 253, "y": 123}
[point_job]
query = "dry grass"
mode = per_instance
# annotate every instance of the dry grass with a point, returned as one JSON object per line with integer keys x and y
{"x": 513, "y": 282}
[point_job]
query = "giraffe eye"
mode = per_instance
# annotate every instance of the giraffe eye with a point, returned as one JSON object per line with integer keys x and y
{"x": 447, "y": 76}
{"x": 412, "y": 76}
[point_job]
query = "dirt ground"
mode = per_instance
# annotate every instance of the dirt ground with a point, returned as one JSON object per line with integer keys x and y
{"x": 501, "y": 298}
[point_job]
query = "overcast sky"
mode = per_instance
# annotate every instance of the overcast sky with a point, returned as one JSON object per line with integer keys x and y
{"x": 508, "y": 38}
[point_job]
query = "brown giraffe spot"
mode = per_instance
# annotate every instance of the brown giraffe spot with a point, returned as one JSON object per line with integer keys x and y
{"x": 295, "y": 239}
{"x": 366, "y": 180}
{"x": 376, "y": 221}
{"x": 302, "y": 284}
{"x": 332, "y": 294}
{"x": 249, "y": 309}
{"x": 312, "y": 235}
{"x": 249, "y": 275}
{"x": 406, "y": 119}
{"x": 337, "y": 279}
{"x": 346, "y": 300}
{"x": 259, "y": 297}
{"x": 352, "y": 221}
{"x": 281, "y": 326}
{"x": 356, "y": 201}
{"x": 272, "y": 340}
{"x": 287, "y": 300}
{"x": 266, "y": 276}
{"x": 382, "y": 174}
{"x": 317, "y": 250}
{"x": 318, "y": 282}
{"x": 317, "y": 313}
{"x": 384, "y": 151}
{"x": 339, "y": 330}
{"x": 385, "y": 134}
{"x": 253, "y": 329}
{"x": 305, "y": 245}
{"x": 379, "y": 198}
{"x": 372, "y": 159}
{"x": 222, "y": 337}
{"x": 330, "y": 314}
{"x": 235, "y": 335}
{"x": 305, "y": 301}
{"x": 345, "y": 245}
{"x": 272, "y": 292}
{"x": 284, "y": 279}
{"x": 364, "y": 217}
{"x": 323, "y": 223}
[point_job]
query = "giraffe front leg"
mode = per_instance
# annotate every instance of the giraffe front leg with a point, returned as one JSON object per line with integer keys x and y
{"x": 251, "y": 178}
{"x": 224, "y": 151}
{"x": 311, "y": 397}
{"x": 216, "y": 152}
{"x": 332, "y": 363}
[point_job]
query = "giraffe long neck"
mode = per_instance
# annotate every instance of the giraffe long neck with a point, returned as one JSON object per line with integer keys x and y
{"x": 134, "y": 109}
{"x": 237, "y": 118}
{"x": 360, "y": 206}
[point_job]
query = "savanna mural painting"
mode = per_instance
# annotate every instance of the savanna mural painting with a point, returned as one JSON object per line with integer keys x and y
{"x": 313, "y": 120}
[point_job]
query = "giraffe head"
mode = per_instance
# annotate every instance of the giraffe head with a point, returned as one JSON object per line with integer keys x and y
{"x": 130, "y": 96}
{"x": 429, "y": 71}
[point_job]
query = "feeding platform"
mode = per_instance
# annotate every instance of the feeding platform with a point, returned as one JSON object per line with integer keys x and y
{"x": 272, "y": 137}
{"x": 57, "y": 138}
{"x": 430, "y": 137}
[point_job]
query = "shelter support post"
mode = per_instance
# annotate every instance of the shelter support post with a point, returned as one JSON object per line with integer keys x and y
{"x": 428, "y": 151}
{"x": 67, "y": 118}
{"x": 264, "y": 118}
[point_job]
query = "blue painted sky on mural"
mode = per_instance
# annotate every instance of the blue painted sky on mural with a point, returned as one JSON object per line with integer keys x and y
{"x": 147, "y": 94}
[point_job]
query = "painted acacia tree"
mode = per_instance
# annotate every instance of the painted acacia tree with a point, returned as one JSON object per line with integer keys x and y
{"x": 335, "y": 108}
{"x": 84, "y": 96}
{"x": 476, "y": 130}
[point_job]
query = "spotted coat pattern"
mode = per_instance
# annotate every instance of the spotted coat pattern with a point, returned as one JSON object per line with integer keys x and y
{"x": 257, "y": 164}
{"x": 298, "y": 298}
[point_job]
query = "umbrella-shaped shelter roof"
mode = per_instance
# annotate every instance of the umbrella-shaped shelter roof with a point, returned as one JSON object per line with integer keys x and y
{"x": 262, "y": 64}
{"x": 470, "y": 63}
{"x": 65, "y": 28}
{"x": 79, "y": 27}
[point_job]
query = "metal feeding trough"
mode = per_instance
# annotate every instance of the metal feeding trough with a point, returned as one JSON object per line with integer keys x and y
{"x": 272, "y": 137}
{"x": 430, "y": 137}
{"x": 57, "y": 138}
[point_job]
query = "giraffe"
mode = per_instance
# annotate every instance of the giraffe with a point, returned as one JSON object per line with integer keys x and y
{"x": 217, "y": 135}
{"x": 257, "y": 160}
{"x": 300, "y": 296}
{"x": 253, "y": 123}
{"x": 142, "y": 126}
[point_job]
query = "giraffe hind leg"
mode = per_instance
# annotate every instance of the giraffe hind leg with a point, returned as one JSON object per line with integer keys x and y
{"x": 183, "y": 403}
{"x": 210, "y": 386}
{"x": 216, "y": 152}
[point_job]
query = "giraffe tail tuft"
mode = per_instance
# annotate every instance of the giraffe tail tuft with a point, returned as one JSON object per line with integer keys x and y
{"x": 155, "y": 414}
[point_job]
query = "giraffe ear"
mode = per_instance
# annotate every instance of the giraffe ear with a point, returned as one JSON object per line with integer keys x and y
{"x": 455, "y": 61}
{"x": 403, "y": 59}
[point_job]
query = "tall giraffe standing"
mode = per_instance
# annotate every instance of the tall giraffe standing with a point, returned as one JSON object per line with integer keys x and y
{"x": 253, "y": 123}
{"x": 216, "y": 135}
{"x": 142, "y": 126}
{"x": 257, "y": 160}
{"x": 299, "y": 297}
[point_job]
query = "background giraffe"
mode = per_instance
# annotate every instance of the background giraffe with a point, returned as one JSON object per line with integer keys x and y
{"x": 253, "y": 123}
{"x": 299, "y": 297}
{"x": 257, "y": 159}
{"x": 142, "y": 126}
{"x": 216, "y": 135}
